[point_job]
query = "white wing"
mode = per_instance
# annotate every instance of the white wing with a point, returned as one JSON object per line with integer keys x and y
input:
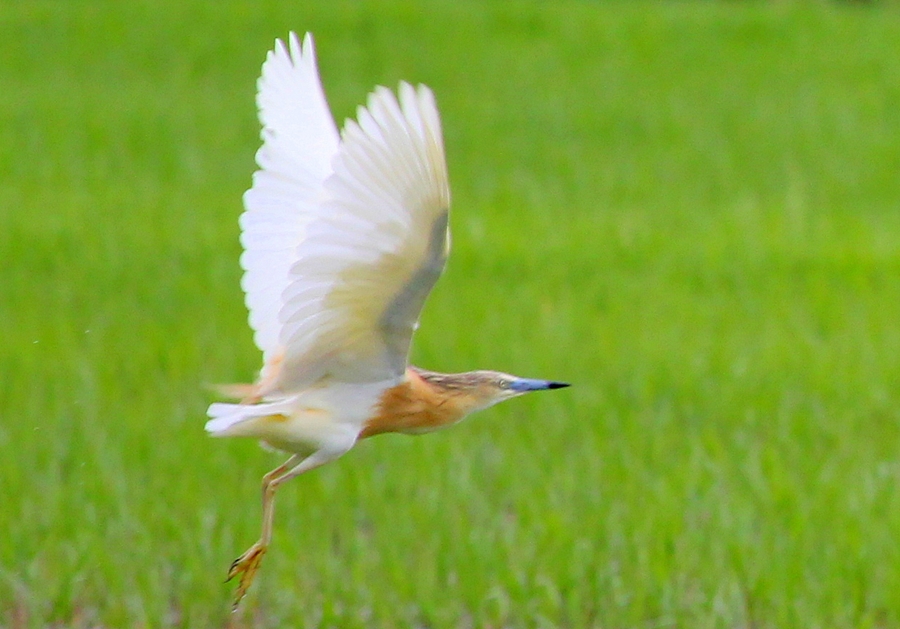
{"x": 299, "y": 141}
{"x": 376, "y": 247}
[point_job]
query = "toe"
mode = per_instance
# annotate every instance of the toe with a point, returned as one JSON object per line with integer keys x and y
{"x": 246, "y": 566}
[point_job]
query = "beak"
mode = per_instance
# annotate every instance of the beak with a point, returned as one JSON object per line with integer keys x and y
{"x": 523, "y": 385}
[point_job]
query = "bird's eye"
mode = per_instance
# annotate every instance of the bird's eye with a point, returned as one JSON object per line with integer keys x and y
{"x": 503, "y": 384}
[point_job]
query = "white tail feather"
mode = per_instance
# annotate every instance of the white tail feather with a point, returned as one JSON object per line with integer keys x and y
{"x": 226, "y": 419}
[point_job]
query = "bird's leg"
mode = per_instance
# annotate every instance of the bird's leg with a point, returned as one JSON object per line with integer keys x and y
{"x": 247, "y": 564}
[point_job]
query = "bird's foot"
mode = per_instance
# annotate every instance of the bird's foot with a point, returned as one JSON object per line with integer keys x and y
{"x": 246, "y": 565}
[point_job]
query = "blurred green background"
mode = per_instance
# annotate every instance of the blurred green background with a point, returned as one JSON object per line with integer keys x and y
{"x": 689, "y": 210}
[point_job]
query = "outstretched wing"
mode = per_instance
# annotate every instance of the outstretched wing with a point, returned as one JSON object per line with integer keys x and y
{"x": 373, "y": 251}
{"x": 299, "y": 142}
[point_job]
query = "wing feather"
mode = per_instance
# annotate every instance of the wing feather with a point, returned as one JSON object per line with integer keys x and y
{"x": 375, "y": 248}
{"x": 299, "y": 141}
{"x": 343, "y": 236}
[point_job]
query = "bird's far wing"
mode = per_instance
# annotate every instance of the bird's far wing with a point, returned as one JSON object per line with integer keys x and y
{"x": 299, "y": 141}
{"x": 374, "y": 251}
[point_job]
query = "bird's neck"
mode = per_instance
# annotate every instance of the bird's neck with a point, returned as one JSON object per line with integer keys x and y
{"x": 423, "y": 402}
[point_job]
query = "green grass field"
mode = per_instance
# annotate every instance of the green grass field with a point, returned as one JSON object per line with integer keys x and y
{"x": 691, "y": 211}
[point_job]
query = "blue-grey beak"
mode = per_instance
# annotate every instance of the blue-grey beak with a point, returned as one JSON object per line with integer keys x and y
{"x": 527, "y": 384}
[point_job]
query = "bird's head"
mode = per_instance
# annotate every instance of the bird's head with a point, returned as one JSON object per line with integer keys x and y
{"x": 496, "y": 386}
{"x": 476, "y": 390}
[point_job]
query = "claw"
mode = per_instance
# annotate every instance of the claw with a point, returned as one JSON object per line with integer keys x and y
{"x": 246, "y": 565}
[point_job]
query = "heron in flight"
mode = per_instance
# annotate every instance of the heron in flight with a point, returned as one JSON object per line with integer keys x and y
{"x": 344, "y": 236}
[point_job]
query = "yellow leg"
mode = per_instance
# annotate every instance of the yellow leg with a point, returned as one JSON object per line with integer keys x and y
{"x": 248, "y": 564}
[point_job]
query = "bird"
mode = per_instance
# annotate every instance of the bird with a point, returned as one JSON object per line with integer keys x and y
{"x": 344, "y": 235}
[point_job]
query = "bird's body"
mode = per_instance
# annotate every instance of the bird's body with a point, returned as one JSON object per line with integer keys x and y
{"x": 344, "y": 237}
{"x": 331, "y": 412}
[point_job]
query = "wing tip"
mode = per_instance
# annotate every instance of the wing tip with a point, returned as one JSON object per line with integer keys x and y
{"x": 292, "y": 50}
